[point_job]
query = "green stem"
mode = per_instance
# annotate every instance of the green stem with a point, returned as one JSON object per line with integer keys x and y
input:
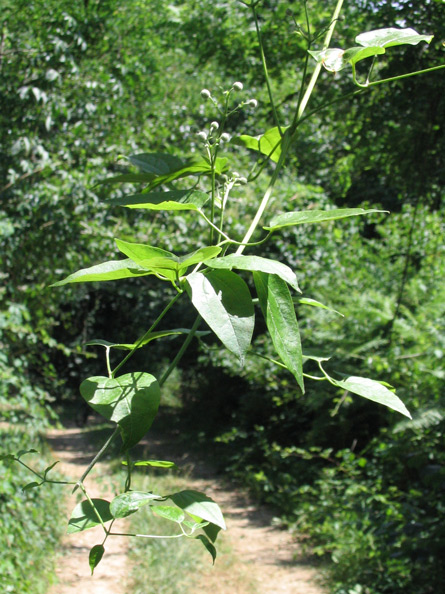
{"x": 181, "y": 351}
{"x": 401, "y": 76}
{"x": 265, "y": 70}
{"x": 145, "y": 535}
{"x": 90, "y": 501}
{"x": 96, "y": 458}
{"x": 149, "y": 331}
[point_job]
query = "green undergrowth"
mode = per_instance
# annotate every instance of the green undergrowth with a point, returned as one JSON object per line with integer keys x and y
{"x": 30, "y": 521}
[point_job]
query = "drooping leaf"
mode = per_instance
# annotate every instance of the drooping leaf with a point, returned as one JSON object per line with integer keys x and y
{"x": 169, "y": 512}
{"x": 391, "y": 36}
{"x": 201, "y": 167}
{"x": 264, "y": 143}
{"x": 146, "y": 339}
{"x": 84, "y": 516}
{"x": 128, "y": 503}
{"x": 315, "y": 216}
{"x": 130, "y": 400}
{"x": 168, "y": 201}
{"x": 157, "y": 163}
{"x": 314, "y": 303}
{"x": 208, "y": 545}
{"x": 335, "y": 59}
{"x": 212, "y": 531}
{"x": 107, "y": 271}
{"x": 223, "y": 300}
{"x": 256, "y": 263}
{"x": 279, "y": 312}
{"x": 373, "y": 390}
{"x": 129, "y": 178}
{"x": 156, "y": 463}
{"x": 95, "y": 556}
{"x": 30, "y": 486}
{"x": 198, "y": 504}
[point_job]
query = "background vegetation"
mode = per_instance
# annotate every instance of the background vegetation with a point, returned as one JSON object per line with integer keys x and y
{"x": 83, "y": 83}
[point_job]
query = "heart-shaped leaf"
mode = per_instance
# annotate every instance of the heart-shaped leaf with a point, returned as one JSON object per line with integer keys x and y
{"x": 84, "y": 516}
{"x": 198, "y": 504}
{"x": 131, "y": 400}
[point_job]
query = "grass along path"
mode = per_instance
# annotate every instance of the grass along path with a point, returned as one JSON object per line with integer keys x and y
{"x": 254, "y": 557}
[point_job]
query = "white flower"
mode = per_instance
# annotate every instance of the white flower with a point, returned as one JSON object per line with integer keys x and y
{"x": 214, "y": 126}
{"x": 238, "y": 86}
{"x": 242, "y": 180}
{"x": 252, "y": 102}
{"x": 205, "y": 94}
{"x": 225, "y": 137}
{"x": 202, "y": 135}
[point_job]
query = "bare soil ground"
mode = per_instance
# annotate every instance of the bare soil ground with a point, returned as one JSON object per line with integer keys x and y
{"x": 254, "y": 556}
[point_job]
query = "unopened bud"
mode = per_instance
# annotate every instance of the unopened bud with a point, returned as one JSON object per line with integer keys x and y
{"x": 238, "y": 86}
{"x": 214, "y": 126}
{"x": 202, "y": 135}
{"x": 242, "y": 180}
{"x": 205, "y": 94}
{"x": 252, "y": 103}
{"x": 225, "y": 137}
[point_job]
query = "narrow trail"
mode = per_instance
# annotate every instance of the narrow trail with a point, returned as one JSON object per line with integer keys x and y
{"x": 72, "y": 448}
{"x": 263, "y": 558}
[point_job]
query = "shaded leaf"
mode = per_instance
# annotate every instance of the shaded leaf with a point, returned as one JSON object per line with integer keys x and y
{"x": 212, "y": 531}
{"x": 223, "y": 300}
{"x": 208, "y": 545}
{"x": 130, "y": 400}
{"x": 256, "y": 263}
{"x": 84, "y": 516}
{"x": 129, "y": 178}
{"x": 157, "y": 163}
{"x": 32, "y": 485}
{"x": 198, "y": 504}
{"x": 169, "y": 201}
{"x": 279, "y": 312}
{"x": 95, "y": 556}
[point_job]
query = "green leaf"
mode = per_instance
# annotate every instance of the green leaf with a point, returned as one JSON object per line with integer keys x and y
{"x": 315, "y": 216}
{"x": 212, "y": 531}
{"x": 208, "y": 545}
{"x": 335, "y": 59}
{"x": 279, "y": 312}
{"x": 147, "y": 338}
{"x": 198, "y": 504}
{"x": 256, "y": 263}
{"x": 163, "y": 262}
{"x": 223, "y": 300}
{"x": 373, "y": 390}
{"x": 169, "y": 513}
{"x": 129, "y": 503}
{"x": 84, "y": 516}
{"x": 157, "y": 163}
{"x": 155, "y": 463}
{"x": 264, "y": 143}
{"x": 169, "y": 201}
{"x": 129, "y": 178}
{"x": 32, "y": 485}
{"x": 131, "y": 401}
{"x": 21, "y": 453}
{"x": 107, "y": 271}
{"x": 201, "y": 167}
{"x": 95, "y": 556}
{"x": 314, "y": 303}
{"x": 391, "y": 37}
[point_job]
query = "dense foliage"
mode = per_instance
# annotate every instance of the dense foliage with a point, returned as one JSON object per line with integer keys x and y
{"x": 83, "y": 84}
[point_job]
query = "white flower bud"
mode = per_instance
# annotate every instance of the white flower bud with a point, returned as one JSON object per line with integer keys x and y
{"x": 252, "y": 103}
{"x": 235, "y": 174}
{"x": 238, "y": 86}
{"x": 242, "y": 180}
{"x": 202, "y": 135}
{"x": 225, "y": 137}
{"x": 214, "y": 126}
{"x": 205, "y": 94}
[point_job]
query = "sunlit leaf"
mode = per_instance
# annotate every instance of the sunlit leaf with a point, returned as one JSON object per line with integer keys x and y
{"x": 373, "y": 390}
{"x": 168, "y": 201}
{"x": 314, "y": 303}
{"x": 301, "y": 217}
{"x": 129, "y": 503}
{"x": 391, "y": 37}
{"x": 198, "y": 504}
{"x": 279, "y": 312}
{"x": 256, "y": 263}
{"x": 146, "y": 339}
{"x": 107, "y": 271}
{"x": 223, "y": 299}
{"x": 264, "y": 143}
{"x": 169, "y": 512}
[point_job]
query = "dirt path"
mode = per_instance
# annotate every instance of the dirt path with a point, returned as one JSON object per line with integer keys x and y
{"x": 71, "y": 447}
{"x": 253, "y": 558}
